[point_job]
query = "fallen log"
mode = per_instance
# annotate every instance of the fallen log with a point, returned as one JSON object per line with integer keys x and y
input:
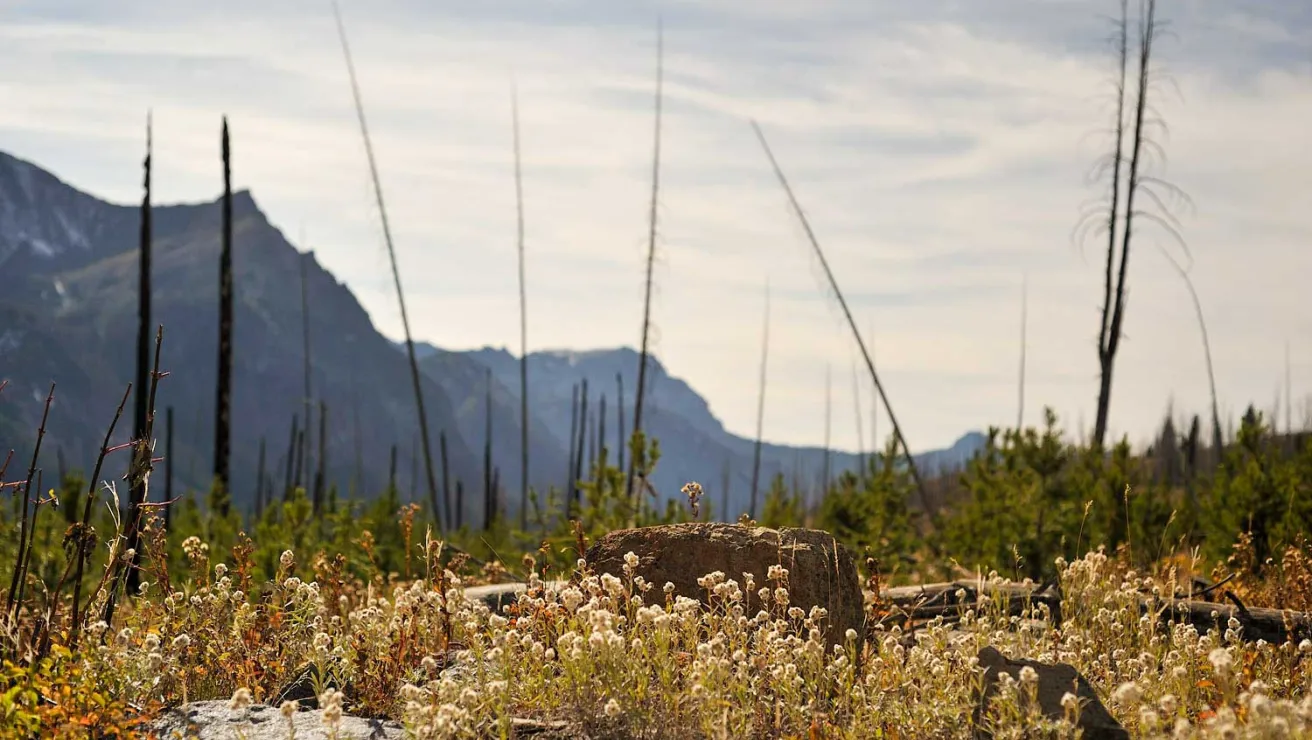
{"x": 911, "y": 604}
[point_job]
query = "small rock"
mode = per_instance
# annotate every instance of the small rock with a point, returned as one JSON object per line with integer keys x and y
{"x": 1055, "y": 680}
{"x": 302, "y": 687}
{"x": 500, "y": 595}
{"x": 821, "y": 572}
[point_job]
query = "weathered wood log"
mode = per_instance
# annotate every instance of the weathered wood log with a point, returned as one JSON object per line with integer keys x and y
{"x": 910, "y": 604}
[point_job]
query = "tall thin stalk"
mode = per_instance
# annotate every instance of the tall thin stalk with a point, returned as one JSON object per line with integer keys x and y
{"x": 357, "y": 478}
{"x": 489, "y": 501}
{"x": 825, "y": 472}
{"x": 301, "y": 467}
{"x": 1024, "y": 325}
{"x": 875, "y": 447}
{"x": 619, "y": 428}
{"x": 1289, "y": 397}
{"x": 289, "y": 481}
{"x": 651, "y": 260}
{"x": 396, "y": 275}
{"x": 523, "y": 323}
{"x": 861, "y": 466}
{"x": 307, "y": 396}
{"x": 1207, "y": 347}
{"x": 601, "y": 427}
{"x": 446, "y": 470}
{"x": 391, "y": 471}
{"x": 833, "y": 282}
{"x": 724, "y": 489}
{"x": 259, "y": 483}
{"x": 760, "y": 406}
{"x": 582, "y": 441}
{"x": 570, "y": 481}
{"x": 320, "y": 472}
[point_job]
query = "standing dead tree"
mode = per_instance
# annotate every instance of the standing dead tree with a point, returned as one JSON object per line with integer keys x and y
{"x": 223, "y": 386}
{"x": 619, "y": 428}
{"x": 640, "y": 391}
{"x": 760, "y": 406}
{"x": 307, "y": 398}
{"x": 396, "y": 276}
{"x": 1024, "y": 325}
{"x": 489, "y": 494}
{"x": 523, "y": 323}
{"x": 1207, "y": 349}
{"x": 842, "y": 302}
{"x": 137, "y": 495}
{"x": 1128, "y": 182}
{"x": 862, "y": 466}
{"x": 825, "y": 472}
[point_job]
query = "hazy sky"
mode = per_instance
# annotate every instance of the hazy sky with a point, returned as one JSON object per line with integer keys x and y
{"x": 940, "y": 149}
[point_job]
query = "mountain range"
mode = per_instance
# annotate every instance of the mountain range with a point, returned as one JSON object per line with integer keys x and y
{"x": 68, "y": 315}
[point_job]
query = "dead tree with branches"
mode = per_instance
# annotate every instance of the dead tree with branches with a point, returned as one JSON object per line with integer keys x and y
{"x": 1126, "y": 171}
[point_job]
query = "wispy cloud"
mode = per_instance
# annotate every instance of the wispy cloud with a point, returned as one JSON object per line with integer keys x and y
{"x": 939, "y": 149}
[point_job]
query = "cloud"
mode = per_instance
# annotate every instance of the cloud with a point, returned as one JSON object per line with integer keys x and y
{"x": 938, "y": 148}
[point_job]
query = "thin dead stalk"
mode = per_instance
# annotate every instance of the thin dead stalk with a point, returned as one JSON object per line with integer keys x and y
{"x": 11, "y": 603}
{"x": 640, "y": 392}
{"x": 396, "y": 277}
{"x": 523, "y": 321}
{"x": 84, "y": 536}
{"x": 760, "y": 406}
{"x": 833, "y": 282}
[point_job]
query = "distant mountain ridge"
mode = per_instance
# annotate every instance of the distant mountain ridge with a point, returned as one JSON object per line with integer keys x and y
{"x": 694, "y": 443}
{"x": 68, "y": 308}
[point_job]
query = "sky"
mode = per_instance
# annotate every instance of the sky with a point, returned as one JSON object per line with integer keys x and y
{"x": 940, "y": 149}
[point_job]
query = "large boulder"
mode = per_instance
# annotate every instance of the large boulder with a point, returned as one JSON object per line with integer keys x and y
{"x": 1055, "y": 680}
{"x": 821, "y": 572}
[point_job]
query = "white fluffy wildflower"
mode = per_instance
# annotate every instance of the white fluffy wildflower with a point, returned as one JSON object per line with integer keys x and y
{"x": 1127, "y": 694}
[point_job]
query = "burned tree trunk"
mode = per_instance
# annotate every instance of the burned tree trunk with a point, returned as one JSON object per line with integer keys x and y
{"x": 223, "y": 387}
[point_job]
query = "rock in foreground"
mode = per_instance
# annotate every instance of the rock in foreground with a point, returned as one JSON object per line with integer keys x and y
{"x": 821, "y": 572}
{"x": 214, "y": 720}
{"x": 1055, "y": 680}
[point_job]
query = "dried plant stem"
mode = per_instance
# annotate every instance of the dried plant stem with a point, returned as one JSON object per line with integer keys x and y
{"x": 11, "y": 603}
{"x": 142, "y": 463}
{"x": 84, "y": 535}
